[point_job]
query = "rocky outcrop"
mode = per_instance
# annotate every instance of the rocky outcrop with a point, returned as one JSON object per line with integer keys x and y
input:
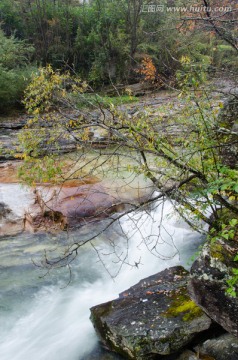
{"x": 9, "y": 128}
{"x": 68, "y": 206}
{"x": 62, "y": 143}
{"x": 55, "y": 207}
{"x": 13, "y": 123}
{"x": 154, "y": 317}
{"x": 79, "y": 202}
{"x": 9, "y": 146}
{"x": 208, "y": 283}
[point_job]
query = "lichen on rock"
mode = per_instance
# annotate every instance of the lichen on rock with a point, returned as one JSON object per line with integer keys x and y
{"x": 154, "y": 317}
{"x": 208, "y": 284}
{"x": 182, "y": 305}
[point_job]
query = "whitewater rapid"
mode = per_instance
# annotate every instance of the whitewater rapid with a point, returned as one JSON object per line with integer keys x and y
{"x": 44, "y": 318}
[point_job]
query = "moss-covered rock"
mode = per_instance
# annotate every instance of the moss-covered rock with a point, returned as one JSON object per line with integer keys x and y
{"x": 182, "y": 305}
{"x": 154, "y": 317}
{"x": 209, "y": 285}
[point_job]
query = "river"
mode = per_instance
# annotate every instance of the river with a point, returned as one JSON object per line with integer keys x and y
{"x": 44, "y": 316}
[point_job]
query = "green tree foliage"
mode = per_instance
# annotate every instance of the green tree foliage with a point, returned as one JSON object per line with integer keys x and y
{"x": 10, "y": 18}
{"x": 102, "y": 42}
{"x": 14, "y": 69}
{"x": 106, "y": 41}
{"x": 50, "y": 27}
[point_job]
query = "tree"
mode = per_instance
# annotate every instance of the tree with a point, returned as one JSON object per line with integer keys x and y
{"x": 11, "y": 21}
{"x": 101, "y": 42}
{"x": 133, "y": 20}
{"x": 188, "y": 172}
{"x": 221, "y": 19}
{"x": 49, "y": 25}
{"x": 15, "y": 56}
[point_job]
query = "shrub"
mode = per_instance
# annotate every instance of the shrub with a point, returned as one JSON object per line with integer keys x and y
{"x": 14, "y": 70}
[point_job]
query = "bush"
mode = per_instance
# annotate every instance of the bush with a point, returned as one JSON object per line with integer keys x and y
{"x": 12, "y": 86}
{"x": 14, "y": 70}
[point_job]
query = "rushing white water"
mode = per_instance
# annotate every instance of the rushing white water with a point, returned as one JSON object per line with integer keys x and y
{"x": 41, "y": 319}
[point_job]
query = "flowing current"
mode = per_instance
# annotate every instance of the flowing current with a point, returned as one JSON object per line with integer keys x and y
{"x": 44, "y": 316}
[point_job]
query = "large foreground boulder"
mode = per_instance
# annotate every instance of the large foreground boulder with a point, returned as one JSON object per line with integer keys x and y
{"x": 154, "y": 317}
{"x": 209, "y": 283}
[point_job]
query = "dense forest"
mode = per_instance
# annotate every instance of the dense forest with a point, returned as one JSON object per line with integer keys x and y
{"x": 117, "y": 42}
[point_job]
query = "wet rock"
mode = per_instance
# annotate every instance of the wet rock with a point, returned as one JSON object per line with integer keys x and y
{"x": 154, "y": 317}
{"x": 208, "y": 283}
{"x": 53, "y": 208}
{"x": 8, "y": 172}
{"x": 4, "y": 210}
{"x": 78, "y": 202}
{"x": 67, "y": 206}
{"x": 10, "y": 223}
{"x": 188, "y": 355}
{"x": 8, "y": 144}
{"x": 99, "y": 353}
{"x": 83, "y": 202}
{"x": 65, "y": 143}
{"x": 13, "y": 124}
{"x": 224, "y": 347}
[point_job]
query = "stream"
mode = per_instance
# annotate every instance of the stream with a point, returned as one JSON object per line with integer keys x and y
{"x": 46, "y": 315}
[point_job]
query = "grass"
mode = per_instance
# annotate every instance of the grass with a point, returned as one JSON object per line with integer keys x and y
{"x": 93, "y": 100}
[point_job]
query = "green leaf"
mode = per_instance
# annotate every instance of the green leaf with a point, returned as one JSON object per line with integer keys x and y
{"x": 233, "y": 222}
{"x": 226, "y": 236}
{"x": 235, "y": 188}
